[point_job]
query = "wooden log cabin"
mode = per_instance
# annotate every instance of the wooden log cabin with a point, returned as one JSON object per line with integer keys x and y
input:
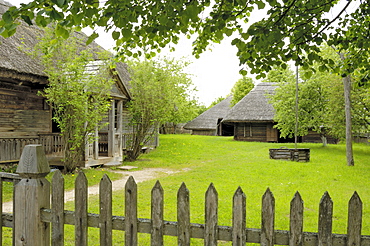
{"x": 26, "y": 118}
{"x": 253, "y": 118}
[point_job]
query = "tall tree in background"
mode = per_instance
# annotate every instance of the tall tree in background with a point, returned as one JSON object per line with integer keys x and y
{"x": 280, "y": 74}
{"x": 292, "y": 30}
{"x": 79, "y": 95}
{"x": 321, "y": 104}
{"x": 160, "y": 92}
{"x": 241, "y": 88}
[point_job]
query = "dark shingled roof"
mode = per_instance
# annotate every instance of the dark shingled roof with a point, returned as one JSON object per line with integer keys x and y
{"x": 254, "y": 106}
{"x": 208, "y": 119}
{"x": 17, "y": 65}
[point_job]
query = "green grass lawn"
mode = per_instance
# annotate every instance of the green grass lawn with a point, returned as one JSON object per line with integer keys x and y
{"x": 229, "y": 164}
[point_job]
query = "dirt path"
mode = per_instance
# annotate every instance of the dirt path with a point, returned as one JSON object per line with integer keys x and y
{"x": 139, "y": 176}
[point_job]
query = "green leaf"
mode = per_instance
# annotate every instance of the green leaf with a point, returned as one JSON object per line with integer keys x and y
{"x": 61, "y": 31}
{"x": 92, "y": 37}
{"x": 41, "y": 21}
{"x": 261, "y": 4}
{"x": 27, "y": 19}
{"x": 7, "y": 18}
{"x": 56, "y": 15}
{"x": 60, "y": 3}
{"x": 115, "y": 35}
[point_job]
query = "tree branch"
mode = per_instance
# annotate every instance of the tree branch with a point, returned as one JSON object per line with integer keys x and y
{"x": 329, "y": 23}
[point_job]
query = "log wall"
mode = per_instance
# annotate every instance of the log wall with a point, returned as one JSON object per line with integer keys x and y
{"x": 23, "y": 113}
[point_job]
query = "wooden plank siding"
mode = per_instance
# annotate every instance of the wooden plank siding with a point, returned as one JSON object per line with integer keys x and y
{"x": 23, "y": 113}
{"x": 255, "y": 132}
{"x": 314, "y": 137}
{"x": 204, "y": 132}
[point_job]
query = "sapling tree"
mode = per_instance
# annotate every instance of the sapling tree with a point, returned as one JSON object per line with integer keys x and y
{"x": 78, "y": 91}
{"x": 160, "y": 92}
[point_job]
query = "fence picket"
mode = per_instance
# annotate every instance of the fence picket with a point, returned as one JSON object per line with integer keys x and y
{"x": 183, "y": 216}
{"x": 1, "y": 219}
{"x": 239, "y": 218}
{"x": 325, "y": 221}
{"x": 81, "y": 210}
{"x": 157, "y": 224}
{"x": 296, "y": 221}
{"x": 57, "y": 209}
{"x": 105, "y": 216}
{"x": 354, "y": 220}
{"x": 131, "y": 212}
{"x": 211, "y": 216}
{"x": 268, "y": 219}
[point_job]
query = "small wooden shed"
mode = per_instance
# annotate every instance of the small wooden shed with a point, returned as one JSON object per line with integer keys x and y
{"x": 253, "y": 116}
{"x": 210, "y": 122}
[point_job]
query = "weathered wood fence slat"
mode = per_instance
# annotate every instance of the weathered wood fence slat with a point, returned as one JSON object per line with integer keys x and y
{"x": 33, "y": 215}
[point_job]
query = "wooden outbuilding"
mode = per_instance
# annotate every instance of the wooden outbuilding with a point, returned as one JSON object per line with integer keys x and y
{"x": 26, "y": 118}
{"x": 253, "y": 116}
{"x": 253, "y": 119}
{"x": 210, "y": 122}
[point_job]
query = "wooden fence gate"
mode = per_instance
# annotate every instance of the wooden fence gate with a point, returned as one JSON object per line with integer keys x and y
{"x": 36, "y": 221}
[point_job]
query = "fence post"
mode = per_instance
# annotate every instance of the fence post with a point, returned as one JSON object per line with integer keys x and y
{"x": 32, "y": 194}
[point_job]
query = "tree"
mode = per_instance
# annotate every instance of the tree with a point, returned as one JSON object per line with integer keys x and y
{"x": 241, "y": 88}
{"x": 80, "y": 99}
{"x": 160, "y": 93}
{"x": 216, "y": 101}
{"x": 321, "y": 102}
{"x": 280, "y": 74}
{"x": 292, "y": 30}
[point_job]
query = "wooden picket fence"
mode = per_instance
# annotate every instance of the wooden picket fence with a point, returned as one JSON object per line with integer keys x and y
{"x": 34, "y": 214}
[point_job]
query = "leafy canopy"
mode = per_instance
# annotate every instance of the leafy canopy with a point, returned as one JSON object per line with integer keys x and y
{"x": 160, "y": 93}
{"x": 292, "y": 29}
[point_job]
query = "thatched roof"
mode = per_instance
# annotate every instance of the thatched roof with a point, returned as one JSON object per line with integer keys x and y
{"x": 17, "y": 65}
{"x": 208, "y": 120}
{"x": 254, "y": 106}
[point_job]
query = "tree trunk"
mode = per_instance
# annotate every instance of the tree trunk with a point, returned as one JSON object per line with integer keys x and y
{"x": 347, "y": 103}
{"x": 347, "y": 109}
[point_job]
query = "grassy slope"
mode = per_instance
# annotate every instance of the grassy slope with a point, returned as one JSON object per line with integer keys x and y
{"x": 229, "y": 164}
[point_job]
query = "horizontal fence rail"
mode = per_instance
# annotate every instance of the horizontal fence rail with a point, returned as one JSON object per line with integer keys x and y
{"x": 53, "y": 214}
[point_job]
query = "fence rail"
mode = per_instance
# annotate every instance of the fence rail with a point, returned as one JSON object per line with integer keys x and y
{"x": 41, "y": 214}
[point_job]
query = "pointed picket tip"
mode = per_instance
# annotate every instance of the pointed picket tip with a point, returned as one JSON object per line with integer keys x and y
{"x": 183, "y": 189}
{"x": 239, "y": 191}
{"x": 130, "y": 181}
{"x": 297, "y": 198}
{"x": 105, "y": 179}
{"x": 355, "y": 197}
{"x": 57, "y": 175}
{"x": 158, "y": 187}
{"x": 326, "y": 198}
{"x": 183, "y": 186}
{"x": 81, "y": 177}
{"x": 268, "y": 194}
{"x": 211, "y": 189}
